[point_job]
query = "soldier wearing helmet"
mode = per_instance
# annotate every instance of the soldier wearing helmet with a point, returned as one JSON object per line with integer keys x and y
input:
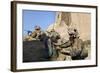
{"x": 67, "y": 48}
{"x": 37, "y": 32}
{"x": 34, "y": 35}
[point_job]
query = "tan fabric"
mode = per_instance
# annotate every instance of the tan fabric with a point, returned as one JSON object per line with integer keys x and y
{"x": 36, "y": 33}
{"x": 61, "y": 57}
{"x": 29, "y": 38}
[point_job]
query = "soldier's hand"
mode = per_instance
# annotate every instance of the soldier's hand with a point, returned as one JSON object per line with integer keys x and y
{"x": 65, "y": 52}
{"x": 58, "y": 48}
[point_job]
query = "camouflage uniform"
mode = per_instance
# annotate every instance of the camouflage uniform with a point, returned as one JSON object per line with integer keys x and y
{"x": 74, "y": 47}
{"x": 54, "y": 36}
{"x": 57, "y": 50}
{"x": 63, "y": 51}
{"x": 35, "y": 35}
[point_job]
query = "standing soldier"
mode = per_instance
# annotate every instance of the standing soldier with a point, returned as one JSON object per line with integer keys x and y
{"x": 54, "y": 36}
{"x": 57, "y": 50}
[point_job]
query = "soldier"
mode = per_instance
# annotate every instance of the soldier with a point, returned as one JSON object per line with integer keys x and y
{"x": 54, "y": 36}
{"x": 75, "y": 46}
{"x": 37, "y": 33}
